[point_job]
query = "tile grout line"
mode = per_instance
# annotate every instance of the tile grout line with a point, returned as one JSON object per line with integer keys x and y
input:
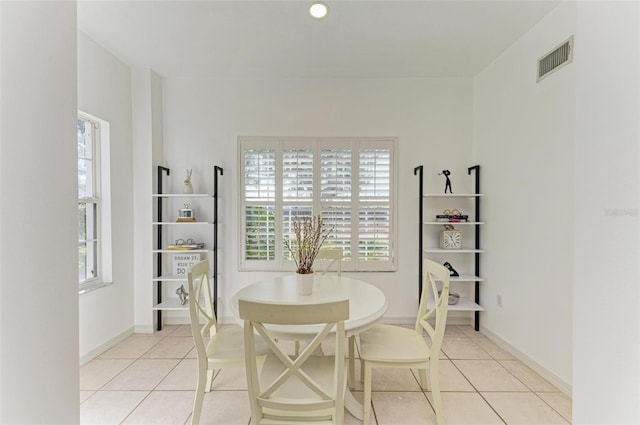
{"x": 162, "y": 379}
{"x": 133, "y": 361}
{"x": 464, "y": 336}
{"x": 108, "y": 381}
{"x": 476, "y": 389}
{"x": 136, "y": 407}
{"x": 531, "y": 390}
{"x": 552, "y": 408}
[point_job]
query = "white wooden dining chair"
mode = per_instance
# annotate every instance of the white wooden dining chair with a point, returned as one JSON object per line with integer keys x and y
{"x": 387, "y": 346}
{"x": 295, "y": 389}
{"x": 216, "y": 348}
{"x": 330, "y": 257}
{"x": 334, "y": 256}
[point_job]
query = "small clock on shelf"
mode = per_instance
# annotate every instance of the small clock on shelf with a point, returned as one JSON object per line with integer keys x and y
{"x": 186, "y": 214}
{"x": 450, "y": 238}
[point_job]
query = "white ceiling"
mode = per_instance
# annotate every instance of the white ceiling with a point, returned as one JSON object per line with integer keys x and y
{"x": 278, "y": 39}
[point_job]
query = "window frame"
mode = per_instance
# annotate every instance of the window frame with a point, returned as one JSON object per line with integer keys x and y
{"x": 93, "y": 183}
{"x": 316, "y": 145}
{"x": 101, "y": 198}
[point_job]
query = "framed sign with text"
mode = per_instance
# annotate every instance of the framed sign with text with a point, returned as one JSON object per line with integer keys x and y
{"x": 182, "y": 262}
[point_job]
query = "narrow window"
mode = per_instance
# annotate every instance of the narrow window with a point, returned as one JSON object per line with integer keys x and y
{"x": 94, "y": 203}
{"x": 88, "y": 201}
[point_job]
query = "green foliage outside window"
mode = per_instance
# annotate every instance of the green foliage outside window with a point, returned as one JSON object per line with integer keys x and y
{"x": 260, "y": 233}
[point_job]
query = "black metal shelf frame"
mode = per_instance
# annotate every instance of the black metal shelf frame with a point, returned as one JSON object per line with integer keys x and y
{"x": 476, "y": 169}
{"x": 216, "y": 170}
{"x": 162, "y": 170}
{"x": 419, "y": 171}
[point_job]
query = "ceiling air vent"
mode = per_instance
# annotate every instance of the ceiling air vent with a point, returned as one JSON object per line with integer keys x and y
{"x": 556, "y": 59}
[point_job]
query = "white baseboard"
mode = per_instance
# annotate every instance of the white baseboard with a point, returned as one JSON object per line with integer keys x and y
{"x": 411, "y": 320}
{"x": 143, "y": 329}
{"x": 176, "y": 320}
{"x": 555, "y": 380}
{"x": 87, "y": 357}
{"x": 227, "y": 320}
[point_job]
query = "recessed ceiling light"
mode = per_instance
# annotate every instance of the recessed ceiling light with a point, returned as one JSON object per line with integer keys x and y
{"x": 318, "y": 10}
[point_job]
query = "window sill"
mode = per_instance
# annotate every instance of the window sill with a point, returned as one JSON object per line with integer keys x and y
{"x": 85, "y": 288}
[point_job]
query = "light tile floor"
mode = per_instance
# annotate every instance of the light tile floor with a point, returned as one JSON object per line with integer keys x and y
{"x": 150, "y": 379}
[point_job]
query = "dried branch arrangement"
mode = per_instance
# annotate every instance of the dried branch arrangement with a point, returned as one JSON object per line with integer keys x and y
{"x": 310, "y": 234}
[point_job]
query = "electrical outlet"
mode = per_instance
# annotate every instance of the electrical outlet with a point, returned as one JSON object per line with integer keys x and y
{"x": 499, "y": 300}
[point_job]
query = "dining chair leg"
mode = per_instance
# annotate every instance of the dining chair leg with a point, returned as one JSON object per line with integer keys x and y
{"x": 338, "y": 418}
{"x": 366, "y": 405}
{"x": 435, "y": 392}
{"x": 423, "y": 379}
{"x": 199, "y": 399}
{"x": 352, "y": 351}
{"x": 208, "y": 386}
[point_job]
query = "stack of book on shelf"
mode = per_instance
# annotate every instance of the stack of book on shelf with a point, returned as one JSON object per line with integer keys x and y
{"x": 452, "y": 218}
{"x": 186, "y": 247}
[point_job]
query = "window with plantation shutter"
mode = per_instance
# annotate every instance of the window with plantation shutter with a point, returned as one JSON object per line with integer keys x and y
{"x": 335, "y": 196}
{"x": 373, "y": 212}
{"x": 349, "y": 182}
{"x": 259, "y": 209}
{"x": 297, "y": 175}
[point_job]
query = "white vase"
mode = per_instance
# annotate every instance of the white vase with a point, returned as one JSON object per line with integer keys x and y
{"x": 188, "y": 189}
{"x": 305, "y": 283}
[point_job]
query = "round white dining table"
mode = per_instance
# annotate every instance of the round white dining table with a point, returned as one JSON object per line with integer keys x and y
{"x": 367, "y": 305}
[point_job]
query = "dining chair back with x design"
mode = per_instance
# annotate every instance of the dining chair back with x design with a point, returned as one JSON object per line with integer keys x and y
{"x": 387, "y": 346}
{"x": 328, "y": 258}
{"x": 334, "y": 256}
{"x": 299, "y": 389}
{"x": 216, "y": 348}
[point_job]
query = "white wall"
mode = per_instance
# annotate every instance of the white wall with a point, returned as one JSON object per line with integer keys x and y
{"x": 431, "y": 118}
{"x": 38, "y": 214}
{"x": 104, "y": 90}
{"x": 147, "y": 152}
{"x": 524, "y": 138}
{"x": 606, "y": 324}
{"x": 1, "y": 205}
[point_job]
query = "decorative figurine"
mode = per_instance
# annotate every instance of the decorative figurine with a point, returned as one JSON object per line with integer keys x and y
{"x": 452, "y": 271}
{"x": 187, "y": 183}
{"x": 454, "y": 297}
{"x": 447, "y": 185}
{"x": 183, "y": 294}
